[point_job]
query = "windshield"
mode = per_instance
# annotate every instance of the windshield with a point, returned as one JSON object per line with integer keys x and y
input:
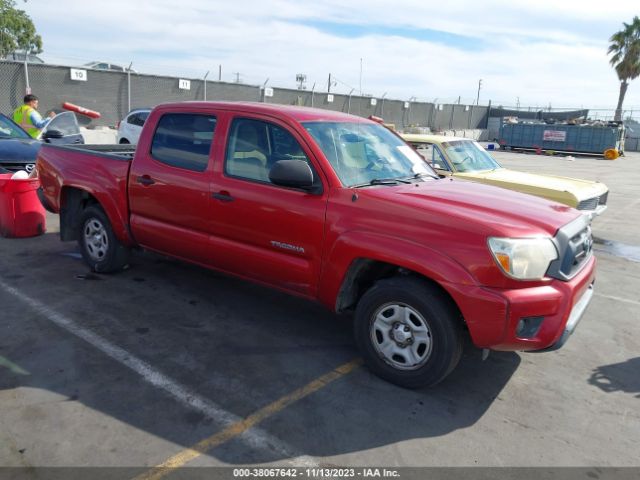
{"x": 363, "y": 153}
{"x": 469, "y": 156}
{"x": 8, "y": 129}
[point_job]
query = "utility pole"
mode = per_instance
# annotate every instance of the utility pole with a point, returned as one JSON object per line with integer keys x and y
{"x": 478, "y": 96}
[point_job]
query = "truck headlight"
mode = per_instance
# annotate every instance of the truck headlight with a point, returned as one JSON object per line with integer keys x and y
{"x": 523, "y": 258}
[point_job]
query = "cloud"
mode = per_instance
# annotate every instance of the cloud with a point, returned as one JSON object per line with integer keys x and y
{"x": 540, "y": 52}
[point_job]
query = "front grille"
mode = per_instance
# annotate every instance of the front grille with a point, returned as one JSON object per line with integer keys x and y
{"x": 603, "y": 198}
{"x": 592, "y": 203}
{"x": 578, "y": 252}
{"x": 589, "y": 204}
{"x": 574, "y": 242}
{"x": 14, "y": 167}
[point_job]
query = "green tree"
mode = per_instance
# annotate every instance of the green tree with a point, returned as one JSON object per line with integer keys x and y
{"x": 625, "y": 47}
{"x": 17, "y": 31}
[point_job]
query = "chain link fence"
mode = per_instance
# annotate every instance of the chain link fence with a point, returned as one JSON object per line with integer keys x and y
{"x": 113, "y": 94}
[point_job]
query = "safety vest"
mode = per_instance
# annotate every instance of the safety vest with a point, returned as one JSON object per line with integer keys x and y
{"x": 22, "y": 116}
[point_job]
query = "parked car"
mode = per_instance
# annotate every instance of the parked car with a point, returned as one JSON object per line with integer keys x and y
{"x": 337, "y": 209}
{"x": 465, "y": 159}
{"x": 107, "y": 66}
{"x": 18, "y": 151}
{"x": 130, "y": 127}
{"x": 19, "y": 56}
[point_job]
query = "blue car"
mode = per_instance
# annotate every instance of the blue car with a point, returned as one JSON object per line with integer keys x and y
{"x": 18, "y": 151}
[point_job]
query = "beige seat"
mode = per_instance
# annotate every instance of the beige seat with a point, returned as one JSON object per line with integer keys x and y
{"x": 247, "y": 159}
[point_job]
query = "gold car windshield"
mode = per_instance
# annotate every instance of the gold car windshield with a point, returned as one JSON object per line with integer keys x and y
{"x": 468, "y": 156}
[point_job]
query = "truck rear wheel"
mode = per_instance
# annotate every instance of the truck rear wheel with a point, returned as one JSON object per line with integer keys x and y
{"x": 408, "y": 332}
{"x": 100, "y": 248}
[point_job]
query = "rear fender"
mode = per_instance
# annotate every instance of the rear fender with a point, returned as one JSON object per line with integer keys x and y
{"x": 73, "y": 200}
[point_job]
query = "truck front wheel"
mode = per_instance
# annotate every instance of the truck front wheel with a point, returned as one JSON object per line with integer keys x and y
{"x": 408, "y": 332}
{"x": 100, "y": 248}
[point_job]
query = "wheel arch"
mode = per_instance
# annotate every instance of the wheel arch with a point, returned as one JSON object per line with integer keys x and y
{"x": 358, "y": 259}
{"x": 363, "y": 273}
{"x": 74, "y": 200}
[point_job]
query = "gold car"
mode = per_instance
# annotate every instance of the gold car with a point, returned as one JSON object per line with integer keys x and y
{"x": 465, "y": 159}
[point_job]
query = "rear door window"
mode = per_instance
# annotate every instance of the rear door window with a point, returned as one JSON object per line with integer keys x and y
{"x": 183, "y": 140}
{"x": 137, "y": 118}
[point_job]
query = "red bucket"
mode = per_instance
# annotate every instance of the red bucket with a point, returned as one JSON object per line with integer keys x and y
{"x": 21, "y": 213}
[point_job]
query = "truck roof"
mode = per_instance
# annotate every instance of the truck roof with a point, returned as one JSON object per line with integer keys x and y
{"x": 296, "y": 113}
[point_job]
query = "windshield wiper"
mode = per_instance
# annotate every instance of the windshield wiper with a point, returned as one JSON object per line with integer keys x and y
{"x": 381, "y": 181}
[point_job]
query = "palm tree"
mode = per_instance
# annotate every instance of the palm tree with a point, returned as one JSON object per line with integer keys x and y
{"x": 625, "y": 47}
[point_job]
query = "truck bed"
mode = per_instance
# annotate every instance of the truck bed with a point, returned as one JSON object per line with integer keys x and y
{"x": 114, "y": 151}
{"x": 99, "y": 171}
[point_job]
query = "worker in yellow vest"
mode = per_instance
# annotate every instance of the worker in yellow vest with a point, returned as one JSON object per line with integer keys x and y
{"x": 28, "y": 118}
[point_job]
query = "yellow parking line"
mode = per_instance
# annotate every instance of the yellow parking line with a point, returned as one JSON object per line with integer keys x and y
{"x": 236, "y": 429}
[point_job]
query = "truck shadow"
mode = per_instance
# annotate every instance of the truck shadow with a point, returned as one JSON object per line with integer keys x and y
{"x": 239, "y": 345}
{"x": 618, "y": 377}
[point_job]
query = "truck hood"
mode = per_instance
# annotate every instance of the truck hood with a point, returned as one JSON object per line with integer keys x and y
{"x": 496, "y": 211}
{"x": 569, "y": 191}
{"x": 18, "y": 150}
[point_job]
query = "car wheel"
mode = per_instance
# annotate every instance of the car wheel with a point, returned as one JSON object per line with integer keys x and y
{"x": 124, "y": 141}
{"x": 100, "y": 248}
{"x": 408, "y": 332}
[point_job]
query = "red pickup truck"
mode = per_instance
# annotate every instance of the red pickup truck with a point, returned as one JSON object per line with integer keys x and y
{"x": 337, "y": 209}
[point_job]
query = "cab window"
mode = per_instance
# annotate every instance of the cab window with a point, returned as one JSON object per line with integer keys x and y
{"x": 254, "y": 146}
{"x": 183, "y": 140}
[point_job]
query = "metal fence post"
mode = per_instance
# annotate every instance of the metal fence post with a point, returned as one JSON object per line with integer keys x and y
{"x": 129, "y": 87}
{"x": 27, "y": 89}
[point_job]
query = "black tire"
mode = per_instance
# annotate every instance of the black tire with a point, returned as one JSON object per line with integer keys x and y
{"x": 100, "y": 248}
{"x": 124, "y": 141}
{"x": 424, "y": 303}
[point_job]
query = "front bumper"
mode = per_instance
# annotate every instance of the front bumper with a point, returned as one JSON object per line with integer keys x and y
{"x": 492, "y": 315}
{"x": 574, "y": 318}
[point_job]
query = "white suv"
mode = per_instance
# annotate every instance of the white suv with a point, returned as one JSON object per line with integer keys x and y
{"x": 129, "y": 129}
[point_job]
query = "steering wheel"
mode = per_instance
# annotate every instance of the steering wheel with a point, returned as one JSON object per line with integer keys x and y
{"x": 375, "y": 164}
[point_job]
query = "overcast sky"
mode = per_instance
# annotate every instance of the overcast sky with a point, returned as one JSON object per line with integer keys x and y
{"x": 540, "y": 51}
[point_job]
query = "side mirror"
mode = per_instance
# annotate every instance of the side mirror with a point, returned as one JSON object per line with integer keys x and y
{"x": 52, "y": 134}
{"x": 292, "y": 173}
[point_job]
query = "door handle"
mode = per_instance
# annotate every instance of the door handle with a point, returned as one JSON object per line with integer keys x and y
{"x": 223, "y": 196}
{"x": 145, "y": 180}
